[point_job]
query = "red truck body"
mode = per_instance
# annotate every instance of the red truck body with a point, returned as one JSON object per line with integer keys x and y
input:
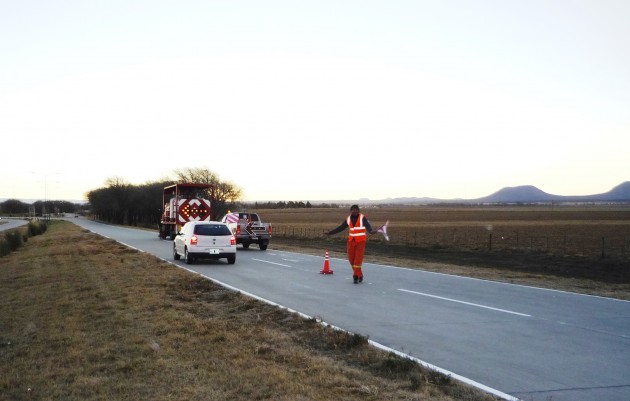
{"x": 183, "y": 203}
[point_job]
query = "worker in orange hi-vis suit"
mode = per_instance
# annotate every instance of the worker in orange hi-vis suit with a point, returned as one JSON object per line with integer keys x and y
{"x": 358, "y": 228}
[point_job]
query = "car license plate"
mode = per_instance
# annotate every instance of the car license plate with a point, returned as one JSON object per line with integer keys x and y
{"x": 213, "y": 251}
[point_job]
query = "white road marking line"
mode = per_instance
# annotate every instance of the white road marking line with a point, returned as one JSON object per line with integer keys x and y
{"x": 273, "y": 263}
{"x": 465, "y": 303}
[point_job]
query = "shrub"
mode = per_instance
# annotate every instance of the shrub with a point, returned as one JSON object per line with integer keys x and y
{"x": 4, "y": 247}
{"x": 14, "y": 239}
{"x": 36, "y": 227}
{"x": 396, "y": 365}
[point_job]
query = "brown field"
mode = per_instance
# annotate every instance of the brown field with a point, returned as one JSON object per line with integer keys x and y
{"x": 568, "y": 231}
{"x": 576, "y": 248}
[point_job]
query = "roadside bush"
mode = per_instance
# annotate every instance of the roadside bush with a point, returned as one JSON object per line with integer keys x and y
{"x": 4, "y": 247}
{"x": 14, "y": 239}
{"x": 36, "y": 227}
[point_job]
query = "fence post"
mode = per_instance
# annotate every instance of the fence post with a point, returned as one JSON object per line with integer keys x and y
{"x": 564, "y": 244}
{"x": 547, "y": 240}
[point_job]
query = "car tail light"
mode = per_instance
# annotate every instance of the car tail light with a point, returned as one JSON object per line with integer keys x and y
{"x": 270, "y": 228}
{"x": 238, "y": 230}
{"x": 232, "y": 240}
{"x": 193, "y": 240}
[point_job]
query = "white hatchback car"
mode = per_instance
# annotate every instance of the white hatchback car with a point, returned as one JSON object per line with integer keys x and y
{"x": 205, "y": 240}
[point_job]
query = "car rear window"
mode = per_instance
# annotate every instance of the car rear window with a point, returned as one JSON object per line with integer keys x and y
{"x": 212, "y": 229}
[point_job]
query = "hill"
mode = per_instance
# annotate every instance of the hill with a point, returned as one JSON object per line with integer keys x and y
{"x": 619, "y": 193}
{"x": 523, "y": 194}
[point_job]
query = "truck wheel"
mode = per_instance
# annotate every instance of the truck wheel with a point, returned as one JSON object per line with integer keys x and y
{"x": 175, "y": 254}
{"x": 188, "y": 257}
{"x": 245, "y": 246}
{"x": 263, "y": 247}
{"x": 231, "y": 259}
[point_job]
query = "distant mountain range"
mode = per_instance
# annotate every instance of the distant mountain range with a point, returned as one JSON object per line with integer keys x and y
{"x": 525, "y": 194}
{"x": 520, "y": 194}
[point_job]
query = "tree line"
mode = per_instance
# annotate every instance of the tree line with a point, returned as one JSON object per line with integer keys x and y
{"x": 141, "y": 205}
{"x": 119, "y": 202}
{"x": 15, "y": 207}
{"x": 289, "y": 205}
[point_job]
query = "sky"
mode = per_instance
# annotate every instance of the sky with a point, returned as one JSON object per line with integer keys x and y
{"x": 316, "y": 100}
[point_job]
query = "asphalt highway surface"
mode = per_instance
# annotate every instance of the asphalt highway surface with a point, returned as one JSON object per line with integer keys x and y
{"x": 515, "y": 341}
{"x": 10, "y": 223}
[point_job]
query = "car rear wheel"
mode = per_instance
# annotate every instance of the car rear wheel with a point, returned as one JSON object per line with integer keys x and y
{"x": 175, "y": 254}
{"x": 231, "y": 259}
{"x": 188, "y": 257}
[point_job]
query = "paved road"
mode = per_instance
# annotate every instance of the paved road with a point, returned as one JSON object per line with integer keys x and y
{"x": 9, "y": 223}
{"x": 523, "y": 342}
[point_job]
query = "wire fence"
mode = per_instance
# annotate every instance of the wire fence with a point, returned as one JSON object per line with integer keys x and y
{"x": 592, "y": 245}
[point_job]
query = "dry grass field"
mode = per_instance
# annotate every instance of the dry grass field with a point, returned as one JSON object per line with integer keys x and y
{"x": 584, "y": 249}
{"x": 85, "y": 318}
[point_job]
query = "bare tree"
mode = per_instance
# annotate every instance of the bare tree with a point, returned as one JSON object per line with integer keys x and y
{"x": 221, "y": 193}
{"x": 120, "y": 193}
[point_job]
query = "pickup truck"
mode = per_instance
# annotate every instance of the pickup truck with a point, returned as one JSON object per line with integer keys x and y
{"x": 248, "y": 229}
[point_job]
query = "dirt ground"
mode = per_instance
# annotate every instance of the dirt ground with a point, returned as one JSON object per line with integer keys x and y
{"x": 607, "y": 278}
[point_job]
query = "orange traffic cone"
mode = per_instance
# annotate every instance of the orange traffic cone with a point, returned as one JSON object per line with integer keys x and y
{"x": 326, "y": 269}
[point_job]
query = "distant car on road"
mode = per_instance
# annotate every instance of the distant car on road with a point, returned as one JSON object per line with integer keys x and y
{"x": 205, "y": 240}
